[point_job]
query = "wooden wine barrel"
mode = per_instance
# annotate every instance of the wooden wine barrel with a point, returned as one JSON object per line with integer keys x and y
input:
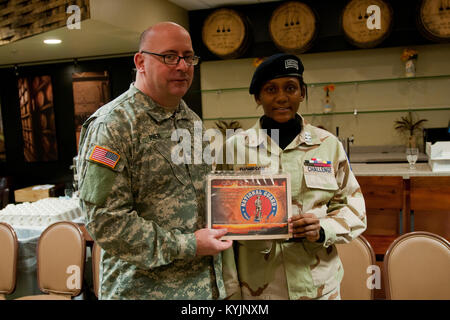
{"x": 354, "y": 23}
{"x": 226, "y": 33}
{"x": 433, "y": 20}
{"x": 293, "y": 27}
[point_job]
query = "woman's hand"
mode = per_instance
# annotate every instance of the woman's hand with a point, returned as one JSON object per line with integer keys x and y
{"x": 305, "y": 226}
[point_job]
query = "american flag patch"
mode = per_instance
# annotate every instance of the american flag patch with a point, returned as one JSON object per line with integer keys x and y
{"x": 104, "y": 156}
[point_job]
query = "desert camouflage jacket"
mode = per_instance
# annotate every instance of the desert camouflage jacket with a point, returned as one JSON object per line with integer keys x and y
{"x": 141, "y": 207}
{"x": 298, "y": 269}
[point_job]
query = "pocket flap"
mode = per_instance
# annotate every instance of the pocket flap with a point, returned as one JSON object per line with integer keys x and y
{"x": 179, "y": 170}
{"x": 320, "y": 177}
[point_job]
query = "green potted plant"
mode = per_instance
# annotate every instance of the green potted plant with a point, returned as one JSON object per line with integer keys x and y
{"x": 407, "y": 125}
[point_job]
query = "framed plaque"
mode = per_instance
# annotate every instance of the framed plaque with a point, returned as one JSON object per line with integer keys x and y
{"x": 249, "y": 206}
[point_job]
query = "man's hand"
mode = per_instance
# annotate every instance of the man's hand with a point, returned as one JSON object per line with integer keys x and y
{"x": 305, "y": 226}
{"x": 208, "y": 243}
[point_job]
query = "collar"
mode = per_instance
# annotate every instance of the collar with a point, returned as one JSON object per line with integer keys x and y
{"x": 256, "y": 136}
{"x": 155, "y": 110}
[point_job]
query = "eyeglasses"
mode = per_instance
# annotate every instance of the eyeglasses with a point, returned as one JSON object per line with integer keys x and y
{"x": 173, "y": 59}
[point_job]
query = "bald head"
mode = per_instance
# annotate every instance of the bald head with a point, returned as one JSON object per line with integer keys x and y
{"x": 166, "y": 84}
{"x": 146, "y": 36}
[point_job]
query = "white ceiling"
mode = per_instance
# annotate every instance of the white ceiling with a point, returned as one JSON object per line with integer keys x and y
{"x": 94, "y": 39}
{"x": 208, "y": 4}
{"x": 113, "y": 29}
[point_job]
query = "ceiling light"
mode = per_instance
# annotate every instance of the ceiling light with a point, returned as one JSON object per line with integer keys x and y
{"x": 52, "y": 41}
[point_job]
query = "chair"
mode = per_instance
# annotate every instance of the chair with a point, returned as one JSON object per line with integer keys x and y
{"x": 96, "y": 256}
{"x": 8, "y": 259}
{"x": 416, "y": 266}
{"x": 61, "y": 254}
{"x": 356, "y": 256}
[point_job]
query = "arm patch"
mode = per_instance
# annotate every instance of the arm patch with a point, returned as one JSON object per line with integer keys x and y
{"x": 104, "y": 156}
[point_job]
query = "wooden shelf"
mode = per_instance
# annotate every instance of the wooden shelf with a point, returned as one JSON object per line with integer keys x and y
{"x": 314, "y": 84}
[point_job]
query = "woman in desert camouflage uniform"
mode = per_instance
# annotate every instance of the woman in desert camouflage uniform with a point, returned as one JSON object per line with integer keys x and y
{"x": 328, "y": 206}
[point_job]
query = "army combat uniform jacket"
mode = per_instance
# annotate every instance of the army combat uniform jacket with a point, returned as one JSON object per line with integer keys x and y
{"x": 141, "y": 207}
{"x": 279, "y": 269}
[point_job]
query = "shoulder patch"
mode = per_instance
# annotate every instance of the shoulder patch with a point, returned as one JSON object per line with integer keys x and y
{"x": 104, "y": 156}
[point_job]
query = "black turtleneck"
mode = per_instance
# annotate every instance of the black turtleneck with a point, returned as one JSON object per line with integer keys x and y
{"x": 288, "y": 130}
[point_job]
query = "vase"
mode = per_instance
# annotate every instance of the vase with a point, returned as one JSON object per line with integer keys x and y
{"x": 410, "y": 68}
{"x": 327, "y": 105}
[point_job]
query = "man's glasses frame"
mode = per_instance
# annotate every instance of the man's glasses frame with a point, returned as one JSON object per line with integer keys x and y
{"x": 173, "y": 59}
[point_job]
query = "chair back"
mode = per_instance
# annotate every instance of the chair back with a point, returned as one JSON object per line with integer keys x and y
{"x": 356, "y": 257}
{"x": 416, "y": 266}
{"x": 60, "y": 259}
{"x": 96, "y": 256}
{"x": 8, "y": 259}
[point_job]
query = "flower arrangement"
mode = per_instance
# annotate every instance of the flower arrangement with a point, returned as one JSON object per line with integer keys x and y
{"x": 257, "y": 61}
{"x": 409, "y": 54}
{"x": 328, "y": 88}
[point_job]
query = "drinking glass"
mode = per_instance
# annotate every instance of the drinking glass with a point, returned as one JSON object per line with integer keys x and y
{"x": 411, "y": 155}
{"x": 68, "y": 193}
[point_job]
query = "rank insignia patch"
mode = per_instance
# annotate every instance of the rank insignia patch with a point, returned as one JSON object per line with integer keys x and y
{"x": 104, "y": 156}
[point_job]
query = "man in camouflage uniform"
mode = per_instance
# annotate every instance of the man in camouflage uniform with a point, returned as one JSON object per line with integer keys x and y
{"x": 327, "y": 203}
{"x": 145, "y": 211}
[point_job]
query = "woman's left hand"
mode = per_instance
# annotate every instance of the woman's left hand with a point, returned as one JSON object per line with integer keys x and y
{"x": 305, "y": 226}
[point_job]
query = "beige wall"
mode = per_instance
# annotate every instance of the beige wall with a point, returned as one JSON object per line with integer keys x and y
{"x": 357, "y": 65}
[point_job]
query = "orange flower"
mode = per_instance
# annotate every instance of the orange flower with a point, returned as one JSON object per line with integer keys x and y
{"x": 257, "y": 61}
{"x": 329, "y": 88}
{"x": 409, "y": 54}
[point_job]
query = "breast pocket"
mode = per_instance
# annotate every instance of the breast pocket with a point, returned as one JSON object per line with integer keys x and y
{"x": 320, "y": 178}
{"x": 320, "y": 187}
{"x": 169, "y": 167}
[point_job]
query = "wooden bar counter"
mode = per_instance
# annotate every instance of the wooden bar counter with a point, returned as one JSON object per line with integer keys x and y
{"x": 400, "y": 200}
{"x": 395, "y": 169}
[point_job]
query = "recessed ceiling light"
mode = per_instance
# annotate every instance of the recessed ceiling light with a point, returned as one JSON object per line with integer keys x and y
{"x": 52, "y": 41}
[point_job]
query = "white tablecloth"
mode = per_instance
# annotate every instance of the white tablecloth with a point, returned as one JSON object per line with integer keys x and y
{"x": 28, "y": 236}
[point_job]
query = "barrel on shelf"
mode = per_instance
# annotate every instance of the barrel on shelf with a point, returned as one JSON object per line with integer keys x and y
{"x": 226, "y": 33}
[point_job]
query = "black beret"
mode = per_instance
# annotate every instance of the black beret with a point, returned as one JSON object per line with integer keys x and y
{"x": 277, "y": 66}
